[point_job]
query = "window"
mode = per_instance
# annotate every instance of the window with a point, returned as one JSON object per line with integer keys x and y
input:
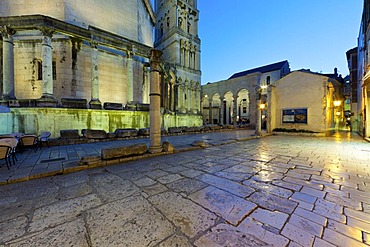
{"x": 268, "y": 80}
{"x": 244, "y": 109}
{"x": 295, "y": 116}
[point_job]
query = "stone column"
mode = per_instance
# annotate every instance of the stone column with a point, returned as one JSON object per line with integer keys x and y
{"x": 269, "y": 109}
{"x": 222, "y": 110}
{"x": 155, "y": 102}
{"x": 197, "y": 99}
{"x": 172, "y": 98}
{"x": 186, "y": 58}
{"x": 94, "y": 102}
{"x": 130, "y": 78}
{"x": 47, "y": 99}
{"x": 47, "y": 64}
{"x": 8, "y": 63}
{"x": 190, "y": 98}
{"x": 210, "y": 118}
{"x": 177, "y": 97}
{"x": 235, "y": 111}
{"x": 258, "y": 111}
{"x": 145, "y": 93}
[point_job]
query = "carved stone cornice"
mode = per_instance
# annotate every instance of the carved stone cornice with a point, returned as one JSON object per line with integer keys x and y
{"x": 35, "y": 22}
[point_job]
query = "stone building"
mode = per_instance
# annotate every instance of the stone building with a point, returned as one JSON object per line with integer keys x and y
{"x": 363, "y": 96}
{"x": 234, "y": 100}
{"x": 177, "y": 36}
{"x": 70, "y": 64}
{"x": 304, "y": 100}
{"x": 352, "y": 88}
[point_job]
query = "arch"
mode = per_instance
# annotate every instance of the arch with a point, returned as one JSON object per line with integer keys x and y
{"x": 243, "y": 107}
{"x": 268, "y": 80}
{"x": 228, "y": 108}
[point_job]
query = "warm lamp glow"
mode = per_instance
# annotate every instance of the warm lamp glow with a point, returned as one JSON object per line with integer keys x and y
{"x": 337, "y": 103}
{"x": 262, "y": 106}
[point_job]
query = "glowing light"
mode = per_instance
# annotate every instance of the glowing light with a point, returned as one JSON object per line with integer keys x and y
{"x": 262, "y": 106}
{"x": 337, "y": 103}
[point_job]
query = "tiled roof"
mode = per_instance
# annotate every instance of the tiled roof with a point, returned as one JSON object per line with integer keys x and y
{"x": 263, "y": 69}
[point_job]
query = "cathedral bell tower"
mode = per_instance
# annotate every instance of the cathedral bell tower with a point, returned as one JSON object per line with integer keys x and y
{"x": 176, "y": 35}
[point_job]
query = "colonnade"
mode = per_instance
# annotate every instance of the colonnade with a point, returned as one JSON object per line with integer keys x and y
{"x": 227, "y": 111}
{"x": 8, "y": 90}
{"x": 189, "y": 55}
{"x": 187, "y": 96}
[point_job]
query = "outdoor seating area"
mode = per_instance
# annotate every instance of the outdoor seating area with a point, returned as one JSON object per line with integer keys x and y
{"x": 11, "y": 144}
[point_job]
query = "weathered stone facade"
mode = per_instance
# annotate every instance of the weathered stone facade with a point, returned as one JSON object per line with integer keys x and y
{"x": 89, "y": 54}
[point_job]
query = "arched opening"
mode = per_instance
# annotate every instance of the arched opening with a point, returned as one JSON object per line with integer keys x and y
{"x": 243, "y": 110}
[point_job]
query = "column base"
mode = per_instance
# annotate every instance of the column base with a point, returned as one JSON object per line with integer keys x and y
{"x": 95, "y": 104}
{"x": 155, "y": 149}
{"x": 46, "y": 101}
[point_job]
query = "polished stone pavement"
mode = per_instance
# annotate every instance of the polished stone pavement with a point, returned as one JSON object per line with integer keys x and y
{"x": 270, "y": 191}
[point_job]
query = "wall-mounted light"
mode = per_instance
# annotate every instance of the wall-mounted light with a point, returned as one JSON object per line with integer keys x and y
{"x": 262, "y": 106}
{"x": 337, "y": 103}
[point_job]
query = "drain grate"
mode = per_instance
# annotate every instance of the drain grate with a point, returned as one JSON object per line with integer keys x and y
{"x": 52, "y": 160}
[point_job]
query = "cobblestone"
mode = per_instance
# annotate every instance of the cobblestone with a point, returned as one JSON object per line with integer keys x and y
{"x": 245, "y": 193}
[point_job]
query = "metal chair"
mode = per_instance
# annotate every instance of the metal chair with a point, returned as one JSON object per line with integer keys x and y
{"x": 5, "y": 150}
{"x": 13, "y": 142}
{"x": 44, "y": 138}
{"x": 28, "y": 141}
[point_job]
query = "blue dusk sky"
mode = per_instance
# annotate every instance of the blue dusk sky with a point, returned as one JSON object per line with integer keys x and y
{"x": 238, "y": 35}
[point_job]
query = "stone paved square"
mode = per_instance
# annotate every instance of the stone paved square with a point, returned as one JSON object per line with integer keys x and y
{"x": 318, "y": 195}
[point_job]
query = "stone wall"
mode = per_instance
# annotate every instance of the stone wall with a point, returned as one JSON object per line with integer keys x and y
{"x": 129, "y": 18}
{"x": 36, "y": 120}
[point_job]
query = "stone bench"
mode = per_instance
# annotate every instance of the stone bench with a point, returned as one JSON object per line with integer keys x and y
{"x": 174, "y": 130}
{"x": 144, "y": 132}
{"x": 74, "y": 103}
{"x": 69, "y": 134}
{"x": 112, "y": 106}
{"x": 94, "y": 134}
{"x": 125, "y": 151}
{"x": 129, "y": 132}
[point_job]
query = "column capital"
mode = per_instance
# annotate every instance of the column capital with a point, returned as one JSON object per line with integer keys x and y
{"x": 155, "y": 60}
{"x": 47, "y": 31}
{"x": 129, "y": 54}
{"x": 6, "y": 31}
{"x": 94, "y": 44}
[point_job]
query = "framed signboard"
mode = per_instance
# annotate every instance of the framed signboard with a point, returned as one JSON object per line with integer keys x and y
{"x": 295, "y": 116}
